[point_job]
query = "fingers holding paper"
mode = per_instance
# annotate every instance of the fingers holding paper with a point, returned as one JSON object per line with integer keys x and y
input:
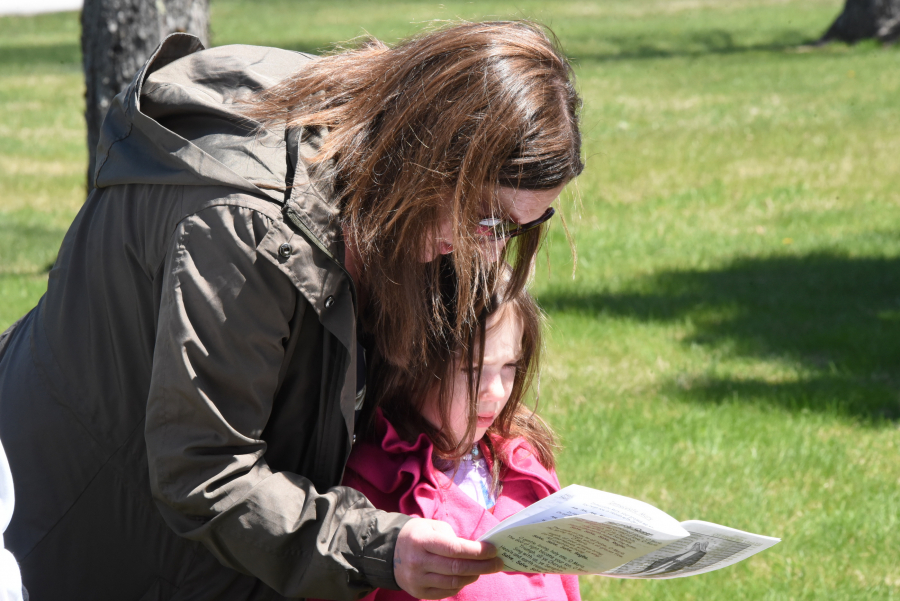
{"x": 431, "y": 562}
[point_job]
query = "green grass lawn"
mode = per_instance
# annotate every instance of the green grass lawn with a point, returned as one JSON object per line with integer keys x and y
{"x": 728, "y": 348}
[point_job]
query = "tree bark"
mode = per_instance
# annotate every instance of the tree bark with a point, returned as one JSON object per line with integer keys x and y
{"x": 117, "y": 36}
{"x": 865, "y": 19}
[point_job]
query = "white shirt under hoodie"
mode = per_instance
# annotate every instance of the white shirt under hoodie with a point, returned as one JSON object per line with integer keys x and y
{"x": 10, "y": 578}
{"x": 473, "y": 478}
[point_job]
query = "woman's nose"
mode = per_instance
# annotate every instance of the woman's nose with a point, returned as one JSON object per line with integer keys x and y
{"x": 493, "y": 249}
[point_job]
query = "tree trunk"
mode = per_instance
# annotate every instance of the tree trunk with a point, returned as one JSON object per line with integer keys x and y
{"x": 865, "y": 19}
{"x": 117, "y": 36}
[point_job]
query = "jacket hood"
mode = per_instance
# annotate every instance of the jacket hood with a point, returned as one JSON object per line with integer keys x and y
{"x": 178, "y": 121}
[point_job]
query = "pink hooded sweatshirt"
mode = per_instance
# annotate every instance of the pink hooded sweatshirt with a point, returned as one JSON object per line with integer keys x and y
{"x": 398, "y": 476}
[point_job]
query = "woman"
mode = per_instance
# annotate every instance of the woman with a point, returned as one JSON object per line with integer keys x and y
{"x": 178, "y": 408}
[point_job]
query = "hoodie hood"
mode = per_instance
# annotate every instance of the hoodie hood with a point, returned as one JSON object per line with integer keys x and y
{"x": 179, "y": 123}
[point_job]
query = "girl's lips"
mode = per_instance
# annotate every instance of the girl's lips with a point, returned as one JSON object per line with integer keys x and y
{"x": 484, "y": 421}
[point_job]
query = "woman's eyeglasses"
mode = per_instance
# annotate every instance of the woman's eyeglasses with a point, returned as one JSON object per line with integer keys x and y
{"x": 503, "y": 229}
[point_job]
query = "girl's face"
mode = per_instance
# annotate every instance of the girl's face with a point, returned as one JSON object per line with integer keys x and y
{"x": 502, "y": 353}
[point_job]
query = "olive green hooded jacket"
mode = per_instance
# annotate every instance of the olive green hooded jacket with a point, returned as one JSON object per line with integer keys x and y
{"x": 179, "y": 406}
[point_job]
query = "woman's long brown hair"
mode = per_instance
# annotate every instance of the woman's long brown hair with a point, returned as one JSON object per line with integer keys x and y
{"x": 401, "y": 393}
{"x": 425, "y": 133}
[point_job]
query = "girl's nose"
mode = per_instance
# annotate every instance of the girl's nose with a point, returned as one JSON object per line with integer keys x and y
{"x": 492, "y": 389}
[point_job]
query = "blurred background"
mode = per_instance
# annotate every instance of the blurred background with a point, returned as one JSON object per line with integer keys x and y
{"x": 728, "y": 346}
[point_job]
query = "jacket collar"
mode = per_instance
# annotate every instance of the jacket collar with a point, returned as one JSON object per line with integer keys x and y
{"x": 310, "y": 193}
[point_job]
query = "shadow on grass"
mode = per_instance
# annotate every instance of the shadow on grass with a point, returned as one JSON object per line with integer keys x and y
{"x": 632, "y": 47}
{"x": 26, "y": 57}
{"x": 836, "y": 316}
{"x": 687, "y": 45}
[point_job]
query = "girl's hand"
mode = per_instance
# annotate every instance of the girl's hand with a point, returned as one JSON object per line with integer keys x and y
{"x": 431, "y": 562}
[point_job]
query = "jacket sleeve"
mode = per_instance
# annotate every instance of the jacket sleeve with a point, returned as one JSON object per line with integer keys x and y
{"x": 224, "y": 314}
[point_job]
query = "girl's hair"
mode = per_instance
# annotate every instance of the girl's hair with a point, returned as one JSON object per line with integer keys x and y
{"x": 401, "y": 393}
{"x": 425, "y": 133}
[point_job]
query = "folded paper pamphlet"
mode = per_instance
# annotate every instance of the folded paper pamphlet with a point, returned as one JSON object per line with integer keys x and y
{"x": 580, "y": 530}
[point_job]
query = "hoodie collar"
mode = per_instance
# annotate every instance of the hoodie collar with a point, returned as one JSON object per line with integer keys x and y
{"x": 187, "y": 89}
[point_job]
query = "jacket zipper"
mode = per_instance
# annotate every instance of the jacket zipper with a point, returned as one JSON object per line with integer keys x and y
{"x": 296, "y": 220}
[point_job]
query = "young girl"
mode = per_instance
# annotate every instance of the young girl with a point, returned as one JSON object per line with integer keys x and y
{"x": 456, "y": 444}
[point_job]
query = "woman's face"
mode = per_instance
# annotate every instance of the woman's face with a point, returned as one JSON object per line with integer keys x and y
{"x": 502, "y": 354}
{"x": 522, "y": 206}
